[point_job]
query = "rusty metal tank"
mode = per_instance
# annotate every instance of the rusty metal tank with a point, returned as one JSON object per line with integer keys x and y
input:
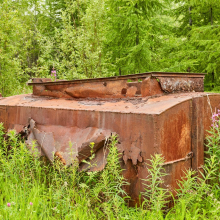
{"x": 166, "y": 113}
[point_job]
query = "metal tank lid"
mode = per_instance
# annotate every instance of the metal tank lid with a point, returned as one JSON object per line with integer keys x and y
{"x": 135, "y": 85}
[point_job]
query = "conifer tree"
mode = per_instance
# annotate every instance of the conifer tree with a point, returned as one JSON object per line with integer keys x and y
{"x": 131, "y": 35}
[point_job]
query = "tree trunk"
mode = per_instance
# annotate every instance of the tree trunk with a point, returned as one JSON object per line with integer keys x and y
{"x": 190, "y": 18}
{"x": 213, "y": 79}
{"x": 211, "y": 14}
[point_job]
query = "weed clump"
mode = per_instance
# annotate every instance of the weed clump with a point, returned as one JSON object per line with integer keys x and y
{"x": 34, "y": 189}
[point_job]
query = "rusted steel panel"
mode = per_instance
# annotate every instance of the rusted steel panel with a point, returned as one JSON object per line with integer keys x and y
{"x": 68, "y": 143}
{"x": 99, "y": 89}
{"x": 150, "y": 87}
{"x": 3, "y": 116}
{"x": 174, "y": 141}
{"x": 171, "y": 85}
{"x": 174, "y": 136}
{"x": 175, "y": 172}
{"x": 120, "y": 87}
{"x": 198, "y": 132}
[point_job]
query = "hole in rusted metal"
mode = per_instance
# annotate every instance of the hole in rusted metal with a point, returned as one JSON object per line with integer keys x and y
{"x": 124, "y": 91}
{"x": 105, "y": 83}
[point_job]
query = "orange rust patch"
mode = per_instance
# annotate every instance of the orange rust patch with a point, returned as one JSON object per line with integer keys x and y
{"x": 59, "y": 156}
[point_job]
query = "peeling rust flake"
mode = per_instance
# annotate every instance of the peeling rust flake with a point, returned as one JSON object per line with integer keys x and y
{"x": 51, "y": 145}
{"x": 44, "y": 142}
{"x": 171, "y": 85}
{"x": 134, "y": 154}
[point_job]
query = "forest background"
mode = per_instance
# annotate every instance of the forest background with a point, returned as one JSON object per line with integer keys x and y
{"x": 100, "y": 38}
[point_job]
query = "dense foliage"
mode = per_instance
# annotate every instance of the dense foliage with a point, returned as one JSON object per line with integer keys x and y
{"x": 96, "y": 38}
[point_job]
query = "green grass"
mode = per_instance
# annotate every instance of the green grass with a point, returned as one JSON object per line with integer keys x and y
{"x": 37, "y": 189}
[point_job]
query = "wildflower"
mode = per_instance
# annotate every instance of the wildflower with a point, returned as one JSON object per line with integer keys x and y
{"x": 31, "y": 203}
{"x": 214, "y": 116}
{"x": 54, "y": 73}
{"x": 9, "y": 204}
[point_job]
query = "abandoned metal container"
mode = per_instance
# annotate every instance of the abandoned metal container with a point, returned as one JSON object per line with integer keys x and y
{"x": 166, "y": 113}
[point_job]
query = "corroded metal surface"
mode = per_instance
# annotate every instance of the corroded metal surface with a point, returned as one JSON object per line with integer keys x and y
{"x": 171, "y": 85}
{"x": 174, "y": 125}
{"x": 67, "y": 143}
{"x": 138, "y": 85}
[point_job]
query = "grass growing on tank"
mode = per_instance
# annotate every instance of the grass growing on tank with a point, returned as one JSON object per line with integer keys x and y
{"x": 33, "y": 189}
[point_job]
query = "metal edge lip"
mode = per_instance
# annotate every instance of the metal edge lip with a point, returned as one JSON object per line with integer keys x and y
{"x": 180, "y": 75}
{"x": 112, "y": 78}
{"x": 132, "y": 76}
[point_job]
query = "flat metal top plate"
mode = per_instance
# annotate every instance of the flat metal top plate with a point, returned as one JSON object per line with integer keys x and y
{"x": 152, "y": 105}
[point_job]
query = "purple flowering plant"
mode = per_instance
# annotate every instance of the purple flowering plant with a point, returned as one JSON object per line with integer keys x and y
{"x": 53, "y": 74}
{"x": 216, "y": 120}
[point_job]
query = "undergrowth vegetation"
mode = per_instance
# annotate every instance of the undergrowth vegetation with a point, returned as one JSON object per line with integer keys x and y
{"x": 31, "y": 188}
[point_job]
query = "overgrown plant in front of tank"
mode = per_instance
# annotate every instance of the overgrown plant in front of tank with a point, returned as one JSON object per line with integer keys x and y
{"x": 155, "y": 195}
